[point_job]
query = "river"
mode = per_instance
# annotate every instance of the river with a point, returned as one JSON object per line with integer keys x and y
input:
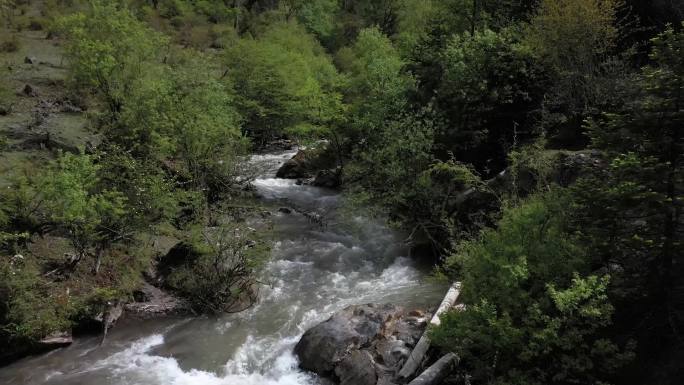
{"x": 313, "y": 272}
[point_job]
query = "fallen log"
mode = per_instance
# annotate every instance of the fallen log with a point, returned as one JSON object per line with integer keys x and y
{"x": 416, "y": 357}
{"x": 438, "y": 371}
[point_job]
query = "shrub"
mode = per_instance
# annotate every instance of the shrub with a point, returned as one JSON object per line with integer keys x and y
{"x": 10, "y": 44}
{"x": 35, "y": 25}
{"x": 535, "y": 314}
{"x": 6, "y": 98}
{"x": 27, "y": 310}
{"x": 216, "y": 274}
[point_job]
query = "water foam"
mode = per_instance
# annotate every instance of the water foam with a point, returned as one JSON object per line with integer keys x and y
{"x": 136, "y": 366}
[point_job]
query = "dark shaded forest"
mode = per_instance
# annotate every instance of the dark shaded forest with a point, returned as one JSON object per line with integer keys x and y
{"x": 531, "y": 149}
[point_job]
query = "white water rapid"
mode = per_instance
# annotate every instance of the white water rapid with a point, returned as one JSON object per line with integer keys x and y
{"x": 313, "y": 272}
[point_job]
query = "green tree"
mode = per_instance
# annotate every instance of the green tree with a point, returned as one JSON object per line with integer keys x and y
{"x": 27, "y": 311}
{"x": 630, "y": 212}
{"x": 490, "y": 93}
{"x": 534, "y": 312}
{"x": 284, "y": 81}
{"x": 114, "y": 55}
{"x": 217, "y": 275}
{"x": 91, "y": 218}
{"x": 204, "y": 126}
{"x": 576, "y": 41}
{"x": 378, "y": 85}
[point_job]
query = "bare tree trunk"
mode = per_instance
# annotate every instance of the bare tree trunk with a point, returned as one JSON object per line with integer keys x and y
{"x": 416, "y": 357}
{"x": 98, "y": 262}
{"x": 438, "y": 371}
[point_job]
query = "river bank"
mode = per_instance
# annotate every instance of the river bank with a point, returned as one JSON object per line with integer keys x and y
{"x": 312, "y": 273}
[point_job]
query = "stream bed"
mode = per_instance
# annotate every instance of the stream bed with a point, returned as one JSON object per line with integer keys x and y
{"x": 314, "y": 271}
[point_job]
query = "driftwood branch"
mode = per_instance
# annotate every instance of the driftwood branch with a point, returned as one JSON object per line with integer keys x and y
{"x": 438, "y": 371}
{"x": 416, "y": 357}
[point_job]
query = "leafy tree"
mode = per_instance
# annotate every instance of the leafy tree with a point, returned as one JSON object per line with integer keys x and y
{"x": 148, "y": 192}
{"x": 490, "y": 91}
{"x": 318, "y": 16}
{"x": 68, "y": 199}
{"x": 630, "y": 212}
{"x": 284, "y": 80}
{"x": 73, "y": 202}
{"x": 378, "y": 86}
{"x": 576, "y": 41}
{"x": 414, "y": 18}
{"x": 201, "y": 126}
{"x": 217, "y": 275}
{"x": 27, "y": 311}
{"x": 534, "y": 312}
{"x": 395, "y": 171}
{"x": 108, "y": 50}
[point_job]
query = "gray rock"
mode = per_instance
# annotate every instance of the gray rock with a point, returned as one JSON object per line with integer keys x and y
{"x": 325, "y": 345}
{"x": 327, "y": 178}
{"x": 56, "y": 340}
{"x": 362, "y": 344}
{"x": 293, "y": 169}
{"x": 358, "y": 368}
{"x": 153, "y": 302}
{"x": 306, "y": 163}
{"x": 30, "y": 60}
{"x": 29, "y": 91}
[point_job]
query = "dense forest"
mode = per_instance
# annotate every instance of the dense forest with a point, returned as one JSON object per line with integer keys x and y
{"x": 531, "y": 149}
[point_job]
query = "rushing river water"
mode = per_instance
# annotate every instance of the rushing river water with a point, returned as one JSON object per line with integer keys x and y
{"x": 313, "y": 272}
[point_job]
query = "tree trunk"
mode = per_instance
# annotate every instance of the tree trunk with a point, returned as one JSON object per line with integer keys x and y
{"x": 98, "y": 261}
{"x": 416, "y": 357}
{"x": 438, "y": 371}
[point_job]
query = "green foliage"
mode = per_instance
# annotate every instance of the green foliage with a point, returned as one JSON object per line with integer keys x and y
{"x": 531, "y": 168}
{"x": 201, "y": 127}
{"x": 148, "y": 192}
{"x": 7, "y": 98}
{"x": 414, "y": 18}
{"x": 283, "y": 80}
{"x": 217, "y": 275}
{"x": 109, "y": 52}
{"x": 318, "y": 16}
{"x": 377, "y": 86}
{"x": 216, "y": 11}
{"x": 395, "y": 171}
{"x": 27, "y": 311}
{"x": 393, "y": 159}
{"x": 532, "y": 313}
{"x": 575, "y": 39}
{"x": 74, "y": 201}
{"x": 489, "y": 93}
{"x": 629, "y": 212}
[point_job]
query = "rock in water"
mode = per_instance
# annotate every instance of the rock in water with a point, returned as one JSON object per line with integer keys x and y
{"x": 361, "y": 344}
{"x": 55, "y": 340}
{"x": 291, "y": 170}
{"x": 358, "y": 368}
{"x": 307, "y": 163}
{"x": 327, "y": 178}
{"x": 325, "y": 345}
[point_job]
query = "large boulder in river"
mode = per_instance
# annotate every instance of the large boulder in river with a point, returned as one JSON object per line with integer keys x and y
{"x": 306, "y": 163}
{"x": 361, "y": 344}
{"x": 327, "y": 178}
{"x": 292, "y": 169}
